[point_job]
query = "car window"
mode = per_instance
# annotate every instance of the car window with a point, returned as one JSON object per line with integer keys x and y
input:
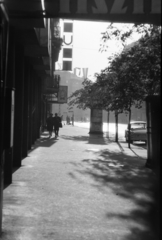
{"x": 138, "y": 125}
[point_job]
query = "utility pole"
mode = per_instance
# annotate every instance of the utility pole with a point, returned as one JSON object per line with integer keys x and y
{"x": 108, "y": 123}
{"x": 116, "y": 126}
{"x": 59, "y": 109}
{"x": 51, "y": 27}
{"x": 52, "y": 32}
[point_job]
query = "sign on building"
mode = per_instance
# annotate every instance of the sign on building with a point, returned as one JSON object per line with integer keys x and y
{"x": 139, "y": 11}
{"x": 63, "y": 94}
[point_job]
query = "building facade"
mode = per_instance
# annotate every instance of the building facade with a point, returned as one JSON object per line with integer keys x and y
{"x": 71, "y": 75}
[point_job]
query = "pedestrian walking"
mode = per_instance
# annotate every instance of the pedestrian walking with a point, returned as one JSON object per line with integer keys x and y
{"x": 57, "y": 124}
{"x": 49, "y": 122}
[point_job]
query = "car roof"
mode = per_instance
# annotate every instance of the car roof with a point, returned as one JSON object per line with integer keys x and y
{"x": 132, "y": 122}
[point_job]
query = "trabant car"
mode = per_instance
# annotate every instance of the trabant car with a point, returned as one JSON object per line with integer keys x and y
{"x": 138, "y": 132}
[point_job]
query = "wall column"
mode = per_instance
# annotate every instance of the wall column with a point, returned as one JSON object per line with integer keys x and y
{"x": 19, "y": 97}
{"x": 29, "y": 108}
{"x": 4, "y": 30}
{"x": 25, "y": 109}
{"x": 9, "y": 110}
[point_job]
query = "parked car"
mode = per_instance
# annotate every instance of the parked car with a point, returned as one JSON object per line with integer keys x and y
{"x": 138, "y": 131}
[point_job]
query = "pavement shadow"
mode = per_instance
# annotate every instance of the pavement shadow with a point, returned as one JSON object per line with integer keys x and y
{"x": 128, "y": 178}
{"x": 141, "y": 145}
{"x": 91, "y": 139}
{"x": 43, "y": 141}
{"x": 133, "y": 147}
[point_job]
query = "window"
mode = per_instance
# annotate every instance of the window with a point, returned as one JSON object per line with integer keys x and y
{"x": 67, "y": 53}
{"x": 68, "y": 27}
{"x": 67, "y": 65}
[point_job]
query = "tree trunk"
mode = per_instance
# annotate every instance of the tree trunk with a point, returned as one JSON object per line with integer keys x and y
{"x": 116, "y": 125}
{"x": 129, "y": 128}
{"x": 108, "y": 122}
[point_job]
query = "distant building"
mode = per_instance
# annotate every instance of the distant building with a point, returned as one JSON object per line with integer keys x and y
{"x": 70, "y": 75}
{"x": 74, "y": 83}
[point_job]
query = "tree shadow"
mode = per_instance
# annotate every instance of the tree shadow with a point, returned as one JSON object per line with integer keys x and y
{"x": 134, "y": 148}
{"x": 135, "y": 152}
{"x": 120, "y": 146}
{"x": 140, "y": 144}
{"x": 91, "y": 139}
{"x": 128, "y": 178}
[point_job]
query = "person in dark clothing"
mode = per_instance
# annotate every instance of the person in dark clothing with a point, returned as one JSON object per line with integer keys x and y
{"x": 50, "y": 124}
{"x": 56, "y": 124}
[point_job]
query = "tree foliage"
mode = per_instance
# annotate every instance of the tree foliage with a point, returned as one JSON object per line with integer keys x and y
{"x": 86, "y": 97}
{"x": 136, "y": 72}
{"x": 130, "y": 76}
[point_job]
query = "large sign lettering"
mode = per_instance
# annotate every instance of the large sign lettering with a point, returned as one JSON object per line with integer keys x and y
{"x": 143, "y": 11}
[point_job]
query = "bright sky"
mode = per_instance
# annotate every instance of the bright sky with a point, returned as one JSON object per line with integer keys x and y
{"x": 86, "y": 44}
{"x": 87, "y": 40}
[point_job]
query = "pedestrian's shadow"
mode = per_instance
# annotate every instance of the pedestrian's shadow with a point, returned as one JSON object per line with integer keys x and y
{"x": 43, "y": 141}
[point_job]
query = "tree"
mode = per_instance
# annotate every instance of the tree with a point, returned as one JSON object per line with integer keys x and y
{"x": 86, "y": 97}
{"x": 130, "y": 76}
{"x": 146, "y": 53}
{"x": 136, "y": 71}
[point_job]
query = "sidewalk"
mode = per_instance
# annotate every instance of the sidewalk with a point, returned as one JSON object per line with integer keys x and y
{"x": 80, "y": 187}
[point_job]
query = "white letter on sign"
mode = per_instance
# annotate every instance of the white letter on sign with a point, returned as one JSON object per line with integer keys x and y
{"x": 64, "y": 6}
{"x": 82, "y": 6}
{"x": 156, "y": 6}
{"x": 101, "y": 7}
{"x": 118, "y": 7}
{"x": 138, "y": 6}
